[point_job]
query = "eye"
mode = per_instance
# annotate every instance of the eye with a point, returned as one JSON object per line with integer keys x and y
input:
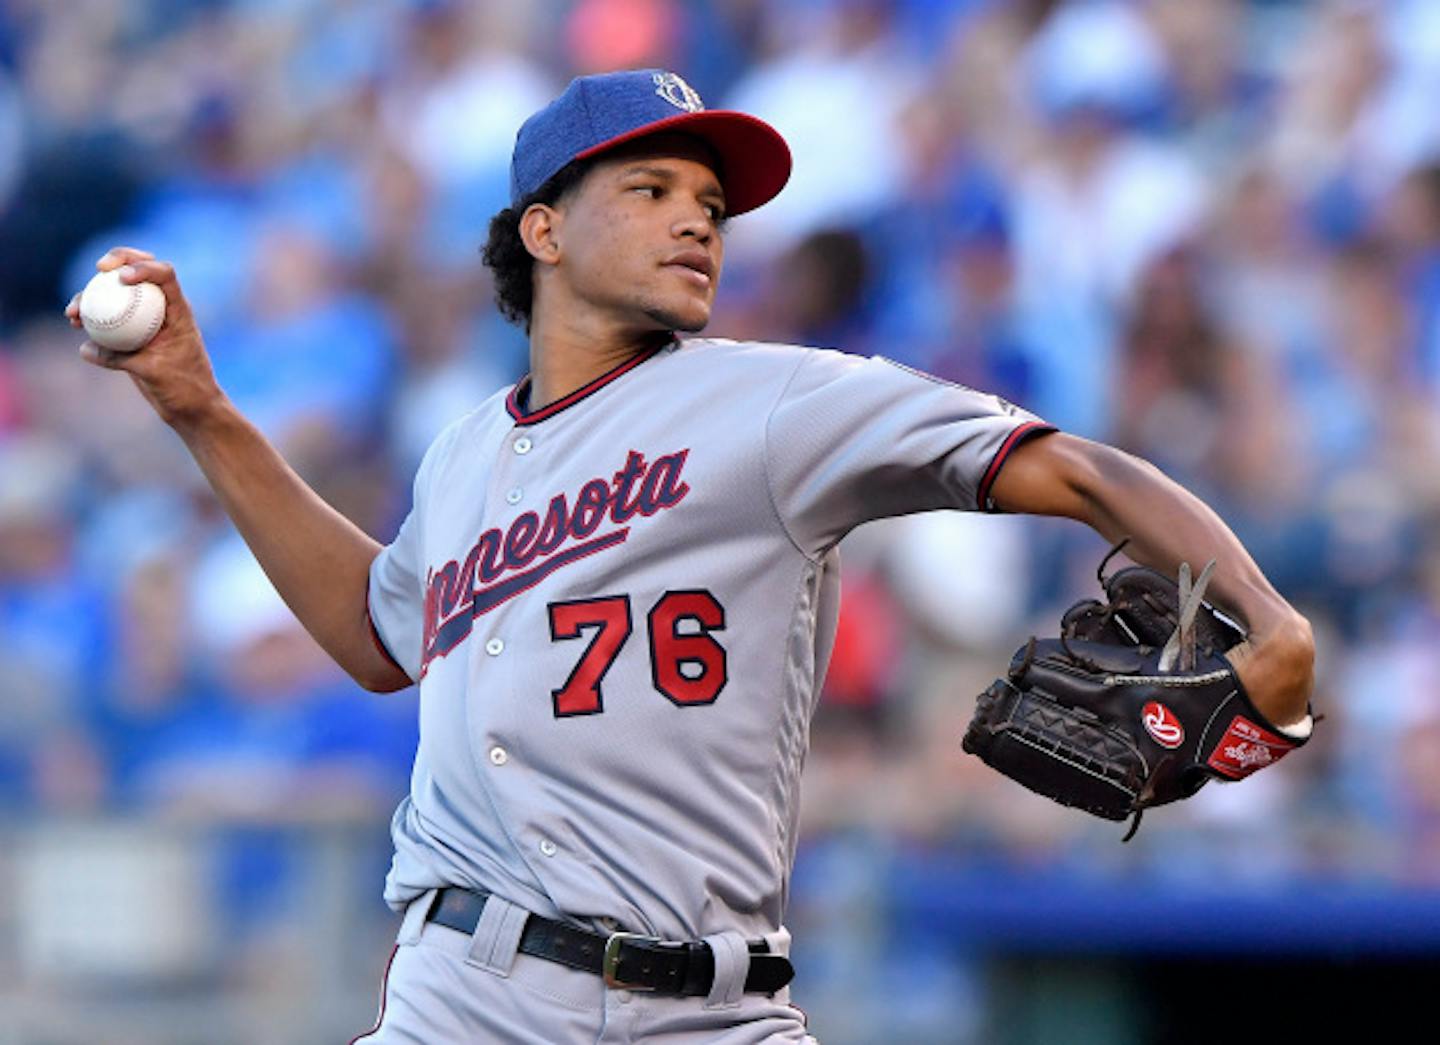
{"x": 653, "y": 191}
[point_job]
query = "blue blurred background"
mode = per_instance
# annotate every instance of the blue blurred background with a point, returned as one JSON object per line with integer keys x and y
{"x": 1207, "y": 231}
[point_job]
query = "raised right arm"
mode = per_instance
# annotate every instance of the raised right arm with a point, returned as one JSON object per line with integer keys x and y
{"x": 318, "y": 560}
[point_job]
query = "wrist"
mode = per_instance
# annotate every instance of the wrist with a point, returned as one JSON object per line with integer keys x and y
{"x": 1287, "y": 634}
{"x": 197, "y": 420}
{"x": 1282, "y": 669}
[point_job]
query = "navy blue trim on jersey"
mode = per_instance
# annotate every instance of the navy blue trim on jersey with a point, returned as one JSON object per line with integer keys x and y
{"x": 522, "y": 388}
{"x": 1014, "y": 439}
{"x": 458, "y": 628}
{"x": 486, "y": 599}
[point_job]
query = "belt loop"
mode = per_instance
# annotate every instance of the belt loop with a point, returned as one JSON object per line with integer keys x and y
{"x": 778, "y": 941}
{"x": 732, "y": 965}
{"x": 497, "y": 936}
{"x": 414, "y": 919}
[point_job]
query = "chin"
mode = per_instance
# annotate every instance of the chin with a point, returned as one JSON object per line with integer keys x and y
{"x": 690, "y": 319}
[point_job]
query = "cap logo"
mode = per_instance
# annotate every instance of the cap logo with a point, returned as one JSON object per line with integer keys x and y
{"x": 677, "y": 92}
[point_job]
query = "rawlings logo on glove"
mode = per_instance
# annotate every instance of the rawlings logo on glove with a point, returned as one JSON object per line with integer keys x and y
{"x": 1134, "y": 705}
{"x": 1161, "y": 723}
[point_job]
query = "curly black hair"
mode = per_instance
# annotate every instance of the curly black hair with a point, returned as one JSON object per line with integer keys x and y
{"x": 504, "y": 252}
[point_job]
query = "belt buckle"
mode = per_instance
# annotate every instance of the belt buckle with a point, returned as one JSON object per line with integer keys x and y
{"x": 611, "y": 967}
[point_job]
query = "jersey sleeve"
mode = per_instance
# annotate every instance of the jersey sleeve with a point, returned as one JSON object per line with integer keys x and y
{"x": 396, "y": 595}
{"x": 853, "y": 439}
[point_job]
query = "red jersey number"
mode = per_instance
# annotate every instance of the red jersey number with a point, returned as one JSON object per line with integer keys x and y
{"x": 688, "y": 667}
{"x": 687, "y": 664}
{"x": 610, "y": 617}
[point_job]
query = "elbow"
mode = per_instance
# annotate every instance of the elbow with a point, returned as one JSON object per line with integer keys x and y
{"x": 371, "y": 664}
{"x": 1108, "y": 467}
{"x": 380, "y": 676}
{"x": 1099, "y": 476}
{"x": 1067, "y": 475}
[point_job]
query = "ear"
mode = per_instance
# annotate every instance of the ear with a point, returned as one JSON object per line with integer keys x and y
{"x": 540, "y": 232}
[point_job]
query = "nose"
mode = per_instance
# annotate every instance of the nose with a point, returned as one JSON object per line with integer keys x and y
{"x": 694, "y": 223}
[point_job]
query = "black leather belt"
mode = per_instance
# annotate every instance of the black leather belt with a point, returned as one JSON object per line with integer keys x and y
{"x": 625, "y": 960}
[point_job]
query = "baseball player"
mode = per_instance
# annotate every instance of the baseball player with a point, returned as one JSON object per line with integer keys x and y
{"x": 617, "y": 588}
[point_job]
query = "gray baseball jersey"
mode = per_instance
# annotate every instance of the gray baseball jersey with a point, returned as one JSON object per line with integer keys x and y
{"x": 619, "y": 609}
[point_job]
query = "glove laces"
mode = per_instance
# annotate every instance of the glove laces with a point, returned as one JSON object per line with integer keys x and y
{"x": 1179, "y": 649}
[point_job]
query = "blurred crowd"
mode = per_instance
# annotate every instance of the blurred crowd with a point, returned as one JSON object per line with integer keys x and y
{"x": 1207, "y": 231}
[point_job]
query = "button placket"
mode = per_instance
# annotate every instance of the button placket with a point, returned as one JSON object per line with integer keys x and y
{"x": 506, "y": 490}
{"x": 492, "y": 728}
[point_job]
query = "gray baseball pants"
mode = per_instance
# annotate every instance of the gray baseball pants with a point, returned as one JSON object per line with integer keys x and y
{"x": 446, "y": 988}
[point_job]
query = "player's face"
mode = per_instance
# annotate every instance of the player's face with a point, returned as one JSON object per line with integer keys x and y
{"x": 642, "y": 235}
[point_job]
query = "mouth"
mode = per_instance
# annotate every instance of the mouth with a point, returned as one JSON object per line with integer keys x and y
{"x": 694, "y": 266}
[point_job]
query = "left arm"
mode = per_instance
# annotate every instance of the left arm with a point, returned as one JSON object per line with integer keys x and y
{"x": 1119, "y": 495}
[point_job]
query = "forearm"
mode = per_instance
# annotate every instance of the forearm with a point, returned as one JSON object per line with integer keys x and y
{"x": 1122, "y": 496}
{"x": 1166, "y": 525}
{"x": 318, "y": 560}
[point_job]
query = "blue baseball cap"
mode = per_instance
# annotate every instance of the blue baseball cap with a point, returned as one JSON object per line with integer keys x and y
{"x": 597, "y": 113}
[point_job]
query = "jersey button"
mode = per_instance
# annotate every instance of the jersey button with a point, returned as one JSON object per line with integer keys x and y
{"x": 513, "y": 497}
{"x": 499, "y": 756}
{"x": 523, "y": 444}
{"x": 495, "y": 647}
{"x": 547, "y": 847}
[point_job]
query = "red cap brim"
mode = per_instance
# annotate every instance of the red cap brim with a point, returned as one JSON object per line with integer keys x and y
{"x": 754, "y": 159}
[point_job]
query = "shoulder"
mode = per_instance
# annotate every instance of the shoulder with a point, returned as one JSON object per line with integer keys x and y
{"x": 754, "y": 360}
{"x": 804, "y": 369}
{"x": 722, "y": 349}
{"x": 459, "y": 434}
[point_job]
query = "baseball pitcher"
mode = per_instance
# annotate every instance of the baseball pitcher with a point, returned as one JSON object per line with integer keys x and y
{"x": 617, "y": 589}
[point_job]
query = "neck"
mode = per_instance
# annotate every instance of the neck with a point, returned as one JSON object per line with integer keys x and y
{"x": 568, "y": 352}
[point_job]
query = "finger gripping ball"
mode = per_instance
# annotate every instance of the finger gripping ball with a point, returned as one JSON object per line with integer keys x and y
{"x": 122, "y": 317}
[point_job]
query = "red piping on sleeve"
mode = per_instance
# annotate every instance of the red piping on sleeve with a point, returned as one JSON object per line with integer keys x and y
{"x": 1014, "y": 439}
{"x": 375, "y": 634}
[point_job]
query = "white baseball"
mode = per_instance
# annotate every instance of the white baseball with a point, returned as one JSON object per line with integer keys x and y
{"x": 121, "y": 316}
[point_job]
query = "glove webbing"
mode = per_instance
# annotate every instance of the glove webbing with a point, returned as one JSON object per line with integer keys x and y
{"x": 1181, "y": 644}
